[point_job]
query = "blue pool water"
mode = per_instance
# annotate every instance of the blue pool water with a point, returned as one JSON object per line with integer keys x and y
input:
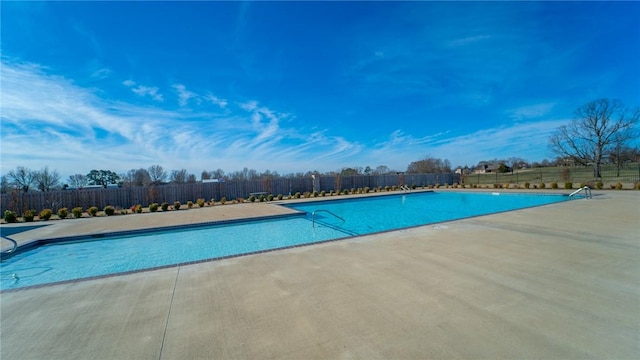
{"x": 64, "y": 261}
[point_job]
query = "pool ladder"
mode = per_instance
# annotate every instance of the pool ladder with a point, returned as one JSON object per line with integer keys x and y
{"x": 15, "y": 245}
{"x": 313, "y": 216}
{"x": 587, "y": 192}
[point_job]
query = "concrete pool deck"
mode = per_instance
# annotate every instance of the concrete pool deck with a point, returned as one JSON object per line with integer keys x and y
{"x": 554, "y": 282}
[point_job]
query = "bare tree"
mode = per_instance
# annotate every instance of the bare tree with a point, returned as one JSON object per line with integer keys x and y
{"x": 598, "y": 128}
{"x": 47, "y": 180}
{"x": 78, "y": 181}
{"x": 179, "y": 176}
{"x": 157, "y": 175}
{"x": 22, "y": 178}
{"x": 429, "y": 165}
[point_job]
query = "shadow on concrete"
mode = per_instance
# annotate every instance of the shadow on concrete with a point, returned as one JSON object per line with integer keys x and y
{"x": 10, "y": 230}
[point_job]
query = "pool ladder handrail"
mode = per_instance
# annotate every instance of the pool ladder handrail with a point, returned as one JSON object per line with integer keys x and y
{"x": 15, "y": 245}
{"x": 587, "y": 192}
{"x": 313, "y": 216}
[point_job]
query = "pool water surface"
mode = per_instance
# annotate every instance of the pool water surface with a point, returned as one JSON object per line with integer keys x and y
{"x": 318, "y": 221}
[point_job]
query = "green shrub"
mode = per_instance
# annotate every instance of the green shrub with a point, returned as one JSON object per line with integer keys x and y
{"x": 366, "y": 189}
{"x": 568, "y": 185}
{"x": 307, "y": 194}
{"x": 619, "y": 186}
{"x": 63, "y": 213}
{"x": 77, "y": 212}
{"x": 223, "y": 200}
{"x": 29, "y": 215}
{"x": 93, "y": 211}
{"x": 252, "y": 198}
{"x": 270, "y": 197}
{"x": 315, "y": 193}
{"x": 496, "y": 186}
{"x": 45, "y": 214}
{"x": 280, "y": 196}
{"x": 154, "y": 207}
{"x": 637, "y": 185}
{"x": 387, "y": 188}
{"x": 137, "y": 209}
{"x": 527, "y": 185}
{"x": 345, "y": 192}
{"x": 599, "y": 185}
{"x": 554, "y": 185}
{"x": 10, "y": 216}
{"x": 189, "y": 204}
{"x": 297, "y": 195}
{"x": 542, "y": 185}
{"x": 176, "y": 205}
{"x": 323, "y": 193}
{"x": 200, "y": 202}
{"x": 164, "y": 206}
{"x": 109, "y": 210}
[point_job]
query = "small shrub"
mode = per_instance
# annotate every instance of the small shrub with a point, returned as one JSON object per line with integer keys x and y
{"x": 164, "y": 206}
{"x": 124, "y": 212}
{"x": 387, "y": 188}
{"x": 619, "y": 186}
{"x": 223, "y": 200}
{"x": 10, "y": 216}
{"x": 542, "y": 185}
{"x": 45, "y": 214}
{"x": 190, "y": 204}
{"x": 270, "y": 197}
{"x": 252, "y": 198}
{"x": 568, "y": 185}
{"x": 153, "y": 207}
{"x": 496, "y": 186}
{"x": 323, "y": 193}
{"x": 315, "y": 193}
{"x": 109, "y": 210}
{"x": 176, "y": 205}
{"x": 77, "y": 212}
{"x": 554, "y": 185}
{"x": 297, "y": 195}
{"x": 637, "y": 185}
{"x": 261, "y": 198}
{"x": 280, "y": 196}
{"x": 527, "y": 185}
{"x": 307, "y": 194}
{"x": 599, "y": 185}
{"x": 345, "y": 192}
{"x": 200, "y": 202}
{"x": 29, "y": 215}
{"x": 63, "y": 213}
{"x": 238, "y": 200}
{"x": 366, "y": 189}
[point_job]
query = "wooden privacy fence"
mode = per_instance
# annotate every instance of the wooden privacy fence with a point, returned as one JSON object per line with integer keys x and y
{"x": 125, "y": 197}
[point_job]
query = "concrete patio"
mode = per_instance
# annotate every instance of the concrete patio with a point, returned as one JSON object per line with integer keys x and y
{"x": 554, "y": 282}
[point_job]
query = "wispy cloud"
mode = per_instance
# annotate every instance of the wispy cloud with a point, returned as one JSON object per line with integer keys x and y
{"x": 141, "y": 90}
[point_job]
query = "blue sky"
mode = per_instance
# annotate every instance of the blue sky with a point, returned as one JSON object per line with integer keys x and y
{"x": 302, "y": 86}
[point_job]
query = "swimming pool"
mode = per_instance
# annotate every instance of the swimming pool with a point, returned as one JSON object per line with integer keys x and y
{"x": 318, "y": 221}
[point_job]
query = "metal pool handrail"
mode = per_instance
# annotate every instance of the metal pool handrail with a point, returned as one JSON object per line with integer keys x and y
{"x": 313, "y": 216}
{"x": 587, "y": 192}
{"x": 15, "y": 245}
